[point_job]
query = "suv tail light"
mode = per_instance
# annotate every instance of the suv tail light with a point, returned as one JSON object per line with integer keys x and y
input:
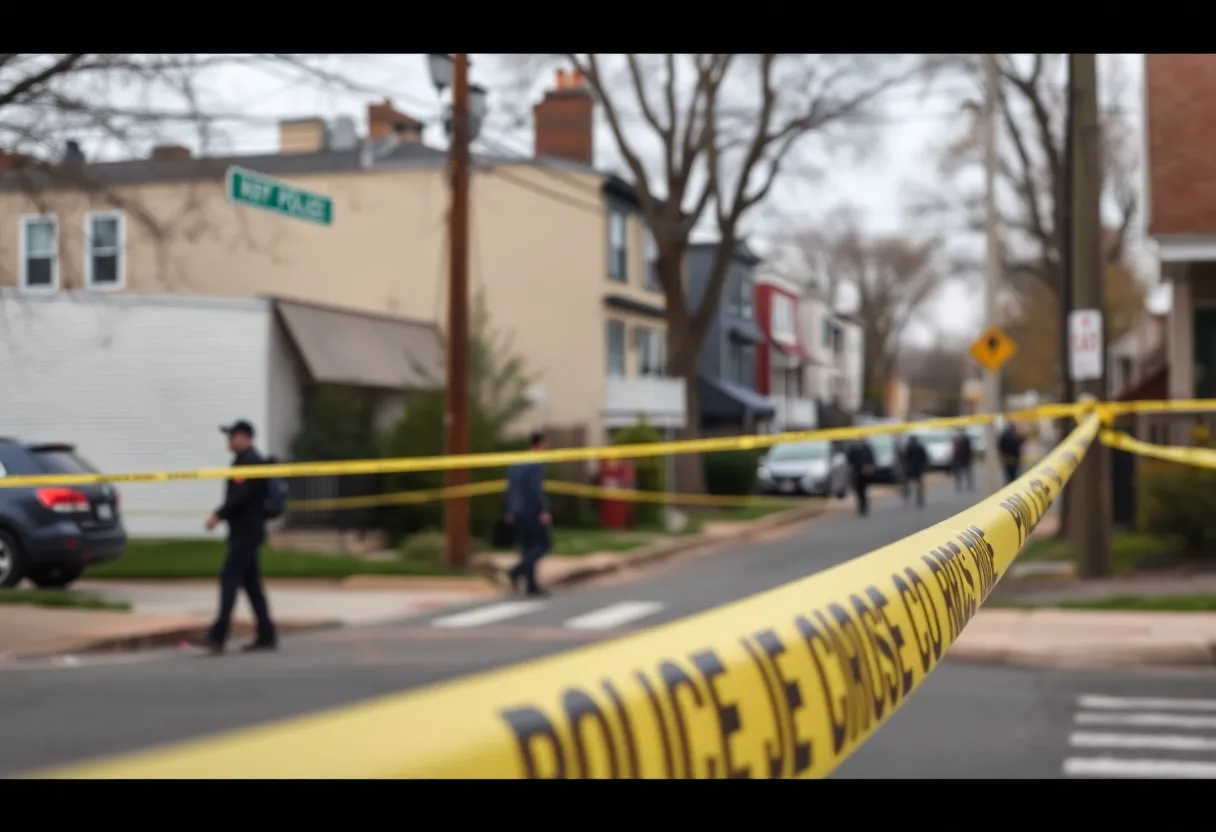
{"x": 63, "y": 500}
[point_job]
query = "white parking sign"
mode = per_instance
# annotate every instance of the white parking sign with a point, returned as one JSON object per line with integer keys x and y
{"x": 1085, "y": 344}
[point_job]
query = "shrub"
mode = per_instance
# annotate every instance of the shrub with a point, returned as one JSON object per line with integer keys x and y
{"x": 498, "y": 397}
{"x": 731, "y": 472}
{"x": 1180, "y": 500}
{"x": 424, "y": 547}
{"x": 650, "y": 471}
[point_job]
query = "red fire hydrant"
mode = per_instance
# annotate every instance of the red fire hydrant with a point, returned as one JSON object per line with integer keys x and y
{"x": 616, "y": 473}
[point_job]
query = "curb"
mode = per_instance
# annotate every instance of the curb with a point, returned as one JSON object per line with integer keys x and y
{"x": 656, "y": 552}
{"x": 170, "y": 637}
{"x": 1147, "y": 653}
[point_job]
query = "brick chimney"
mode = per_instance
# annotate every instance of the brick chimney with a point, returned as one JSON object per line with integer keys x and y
{"x": 383, "y": 120}
{"x": 170, "y": 153}
{"x": 565, "y": 119}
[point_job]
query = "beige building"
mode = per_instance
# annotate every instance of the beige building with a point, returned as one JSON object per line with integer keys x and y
{"x": 557, "y": 248}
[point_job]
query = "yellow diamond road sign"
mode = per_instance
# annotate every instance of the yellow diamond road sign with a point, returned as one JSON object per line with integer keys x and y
{"x": 993, "y": 349}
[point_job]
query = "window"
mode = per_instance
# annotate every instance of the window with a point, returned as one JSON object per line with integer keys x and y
{"x": 783, "y": 317}
{"x": 39, "y": 267}
{"x": 650, "y": 346}
{"x": 105, "y": 234}
{"x": 827, "y": 334}
{"x": 618, "y": 246}
{"x": 742, "y": 365}
{"x": 745, "y": 298}
{"x": 616, "y": 348}
{"x": 652, "y": 263}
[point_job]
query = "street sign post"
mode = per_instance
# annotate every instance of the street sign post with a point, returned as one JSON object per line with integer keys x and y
{"x": 993, "y": 349}
{"x": 245, "y": 187}
{"x": 1085, "y": 344}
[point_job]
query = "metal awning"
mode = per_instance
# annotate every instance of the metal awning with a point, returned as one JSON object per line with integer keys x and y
{"x": 726, "y": 400}
{"x": 343, "y": 346}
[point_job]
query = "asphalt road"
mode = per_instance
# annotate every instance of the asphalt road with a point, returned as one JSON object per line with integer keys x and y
{"x": 61, "y": 711}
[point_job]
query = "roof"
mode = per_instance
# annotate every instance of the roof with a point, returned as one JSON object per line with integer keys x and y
{"x": 360, "y": 349}
{"x": 389, "y": 154}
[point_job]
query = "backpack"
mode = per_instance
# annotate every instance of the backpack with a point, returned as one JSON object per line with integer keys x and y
{"x": 276, "y": 493}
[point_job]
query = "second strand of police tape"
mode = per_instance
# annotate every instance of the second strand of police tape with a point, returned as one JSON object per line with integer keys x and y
{"x": 786, "y": 683}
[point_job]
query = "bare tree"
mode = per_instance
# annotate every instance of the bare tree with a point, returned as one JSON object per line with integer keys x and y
{"x": 1031, "y": 167}
{"x": 935, "y": 376}
{"x": 892, "y": 279}
{"x": 120, "y": 105}
{"x": 704, "y": 137}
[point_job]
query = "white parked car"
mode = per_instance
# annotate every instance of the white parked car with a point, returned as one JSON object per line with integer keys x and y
{"x": 939, "y": 447}
{"x": 816, "y": 468}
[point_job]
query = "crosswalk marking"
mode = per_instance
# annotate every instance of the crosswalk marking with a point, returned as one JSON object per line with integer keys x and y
{"x": 489, "y": 615}
{"x": 613, "y": 615}
{"x": 1176, "y": 733}
{"x": 1161, "y": 742}
{"x": 1116, "y": 767}
{"x": 1096, "y": 701}
{"x": 1147, "y": 720}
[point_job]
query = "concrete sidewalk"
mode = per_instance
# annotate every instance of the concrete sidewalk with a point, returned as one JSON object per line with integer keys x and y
{"x": 167, "y": 613}
{"x": 1082, "y": 639}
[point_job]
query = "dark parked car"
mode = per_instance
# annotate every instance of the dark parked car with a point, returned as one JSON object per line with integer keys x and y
{"x": 50, "y": 533}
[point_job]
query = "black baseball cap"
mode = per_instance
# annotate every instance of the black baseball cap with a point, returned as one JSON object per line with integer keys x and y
{"x": 239, "y": 426}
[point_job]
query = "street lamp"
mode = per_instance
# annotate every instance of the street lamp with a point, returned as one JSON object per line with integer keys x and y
{"x": 441, "y": 70}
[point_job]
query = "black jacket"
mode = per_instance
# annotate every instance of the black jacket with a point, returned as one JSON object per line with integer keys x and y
{"x": 1011, "y": 446}
{"x": 915, "y": 458}
{"x": 244, "y": 508}
{"x": 861, "y": 455}
{"x": 962, "y": 451}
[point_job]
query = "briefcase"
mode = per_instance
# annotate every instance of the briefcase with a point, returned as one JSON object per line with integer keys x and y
{"x": 503, "y": 535}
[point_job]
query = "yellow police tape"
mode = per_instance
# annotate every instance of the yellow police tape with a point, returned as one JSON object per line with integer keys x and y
{"x": 478, "y": 489}
{"x": 1201, "y": 457}
{"x": 691, "y": 446}
{"x": 497, "y": 460}
{"x": 786, "y": 683}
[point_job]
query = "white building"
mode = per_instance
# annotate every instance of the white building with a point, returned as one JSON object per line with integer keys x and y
{"x": 143, "y": 382}
{"x": 835, "y": 342}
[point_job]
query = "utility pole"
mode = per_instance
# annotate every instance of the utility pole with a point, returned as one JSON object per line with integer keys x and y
{"x": 992, "y": 263}
{"x": 1091, "y": 499}
{"x": 456, "y": 411}
{"x": 1064, "y": 247}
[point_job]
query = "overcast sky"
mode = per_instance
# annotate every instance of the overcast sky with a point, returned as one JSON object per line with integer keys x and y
{"x": 912, "y": 128}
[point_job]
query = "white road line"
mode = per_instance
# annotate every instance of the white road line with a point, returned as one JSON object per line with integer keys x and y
{"x": 1118, "y": 703}
{"x": 1162, "y": 742}
{"x": 489, "y": 615}
{"x": 1114, "y": 767}
{"x": 1147, "y": 720}
{"x": 613, "y": 615}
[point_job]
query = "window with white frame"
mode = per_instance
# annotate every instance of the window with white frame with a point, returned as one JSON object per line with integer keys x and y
{"x": 39, "y": 267}
{"x": 652, "y": 262}
{"x": 615, "y": 336}
{"x": 783, "y": 318}
{"x": 105, "y": 235}
{"x": 650, "y": 347}
{"x": 618, "y": 245}
{"x": 746, "y": 310}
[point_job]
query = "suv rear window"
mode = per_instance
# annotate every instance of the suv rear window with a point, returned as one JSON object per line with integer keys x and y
{"x": 61, "y": 461}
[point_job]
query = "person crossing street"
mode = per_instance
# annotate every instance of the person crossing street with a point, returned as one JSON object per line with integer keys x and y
{"x": 915, "y": 460}
{"x": 244, "y": 510}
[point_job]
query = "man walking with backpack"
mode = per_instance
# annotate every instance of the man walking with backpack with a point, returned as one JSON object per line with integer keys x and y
{"x": 248, "y": 503}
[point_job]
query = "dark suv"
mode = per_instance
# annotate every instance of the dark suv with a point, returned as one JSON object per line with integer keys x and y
{"x": 50, "y": 534}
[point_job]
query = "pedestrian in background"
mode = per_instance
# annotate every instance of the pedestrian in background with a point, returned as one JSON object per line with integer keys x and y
{"x": 915, "y": 460}
{"x": 960, "y": 462}
{"x": 528, "y": 512}
{"x": 861, "y": 466}
{"x": 1010, "y": 445}
{"x": 244, "y": 510}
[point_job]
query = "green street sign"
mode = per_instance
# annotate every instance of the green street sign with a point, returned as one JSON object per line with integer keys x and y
{"x": 244, "y": 187}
